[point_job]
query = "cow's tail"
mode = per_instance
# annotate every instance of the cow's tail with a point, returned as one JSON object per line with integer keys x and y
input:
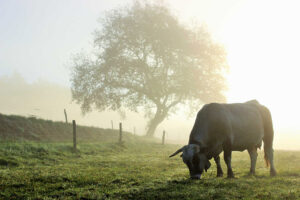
{"x": 268, "y": 135}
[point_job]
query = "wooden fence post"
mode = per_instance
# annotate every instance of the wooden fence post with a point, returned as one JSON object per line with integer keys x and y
{"x": 133, "y": 130}
{"x": 120, "y": 138}
{"x": 163, "y": 137}
{"x": 74, "y": 135}
{"x": 112, "y": 124}
{"x": 66, "y": 116}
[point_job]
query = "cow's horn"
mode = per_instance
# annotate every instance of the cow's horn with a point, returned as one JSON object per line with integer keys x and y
{"x": 177, "y": 152}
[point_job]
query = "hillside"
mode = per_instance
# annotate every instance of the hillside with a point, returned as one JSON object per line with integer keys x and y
{"x": 14, "y": 127}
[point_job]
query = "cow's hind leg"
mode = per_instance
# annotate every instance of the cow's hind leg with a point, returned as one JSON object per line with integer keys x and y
{"x": 227, "y": 158}
{"x": 219, "y": 168}
{"x": 269, "y": 157}
{"x": 253, "y": 156}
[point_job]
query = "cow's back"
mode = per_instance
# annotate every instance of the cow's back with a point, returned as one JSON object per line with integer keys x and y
{"x": 239, "y": 124}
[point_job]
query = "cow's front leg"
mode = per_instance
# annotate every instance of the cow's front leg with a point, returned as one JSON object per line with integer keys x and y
{"x": 219, "y": 168}
{"x": 253, "y": 156}
{"x": 227, "y": 158}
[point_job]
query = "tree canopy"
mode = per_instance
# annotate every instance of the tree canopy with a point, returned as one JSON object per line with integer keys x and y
{"x": 146, "y": 59}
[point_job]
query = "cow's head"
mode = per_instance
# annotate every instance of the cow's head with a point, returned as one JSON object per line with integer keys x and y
{"x": 195, "y": 159}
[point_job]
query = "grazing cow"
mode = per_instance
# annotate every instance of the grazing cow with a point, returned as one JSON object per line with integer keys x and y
{"x": 228, "y": 127}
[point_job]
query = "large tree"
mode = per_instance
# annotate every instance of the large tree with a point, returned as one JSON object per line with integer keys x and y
{"x": 144, "y": 58}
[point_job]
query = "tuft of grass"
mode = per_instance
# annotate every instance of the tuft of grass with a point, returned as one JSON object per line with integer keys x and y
{"x": 134, "y": 170}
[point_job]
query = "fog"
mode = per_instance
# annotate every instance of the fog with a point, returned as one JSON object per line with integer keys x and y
{"x": 38, "y": 39}
{"x": 47, "y": 100}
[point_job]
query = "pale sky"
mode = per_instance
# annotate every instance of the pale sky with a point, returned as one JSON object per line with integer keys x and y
{"x": 38, "y": 38}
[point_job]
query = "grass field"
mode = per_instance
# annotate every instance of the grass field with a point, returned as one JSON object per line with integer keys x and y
{"x": 134, "y": 170}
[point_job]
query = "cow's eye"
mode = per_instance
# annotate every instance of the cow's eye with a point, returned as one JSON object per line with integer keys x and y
{"x": 195, "y": 159}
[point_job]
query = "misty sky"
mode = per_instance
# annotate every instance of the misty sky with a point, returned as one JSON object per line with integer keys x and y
{"x": 39, "y": 37}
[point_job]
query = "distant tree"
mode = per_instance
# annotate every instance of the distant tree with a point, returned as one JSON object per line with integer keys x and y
{"x": 146, "y": 59}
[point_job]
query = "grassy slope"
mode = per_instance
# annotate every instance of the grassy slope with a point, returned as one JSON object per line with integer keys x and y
{"x": 133, "y": 171}
{"x": 14, "y": 127}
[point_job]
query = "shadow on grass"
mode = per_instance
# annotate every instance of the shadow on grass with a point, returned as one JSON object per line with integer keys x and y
{"x": 8, "y": 163}
{"x": 258, "y": 176}
{"x": 182, "y": 189}
{"x": 290, "y": 174}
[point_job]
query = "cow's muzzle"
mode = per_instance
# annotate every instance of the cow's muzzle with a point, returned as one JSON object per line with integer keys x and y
{"x": 196, "y": 176}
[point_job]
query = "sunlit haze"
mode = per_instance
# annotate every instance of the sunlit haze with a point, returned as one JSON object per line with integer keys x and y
{"x": 38, "y": 38}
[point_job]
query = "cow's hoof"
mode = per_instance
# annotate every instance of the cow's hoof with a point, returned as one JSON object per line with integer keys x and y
{"x": 219, "y": 175}
{"x": 230, "y": 176}
{"x": 251, "y": 173}
{"x": 273, "y": 173}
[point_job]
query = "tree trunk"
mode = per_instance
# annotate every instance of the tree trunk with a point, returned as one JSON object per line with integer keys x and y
{"x": 158, "y": 118}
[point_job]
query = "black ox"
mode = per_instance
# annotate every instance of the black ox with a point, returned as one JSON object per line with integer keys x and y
{"x": 228, "y": 127}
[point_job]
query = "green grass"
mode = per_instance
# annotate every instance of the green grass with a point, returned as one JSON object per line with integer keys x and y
{"x": 132, "y": 170}
{"x": 18, "y": 128}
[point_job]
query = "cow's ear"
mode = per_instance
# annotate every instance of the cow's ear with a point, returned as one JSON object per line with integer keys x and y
{"x": 207, "y": 165}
